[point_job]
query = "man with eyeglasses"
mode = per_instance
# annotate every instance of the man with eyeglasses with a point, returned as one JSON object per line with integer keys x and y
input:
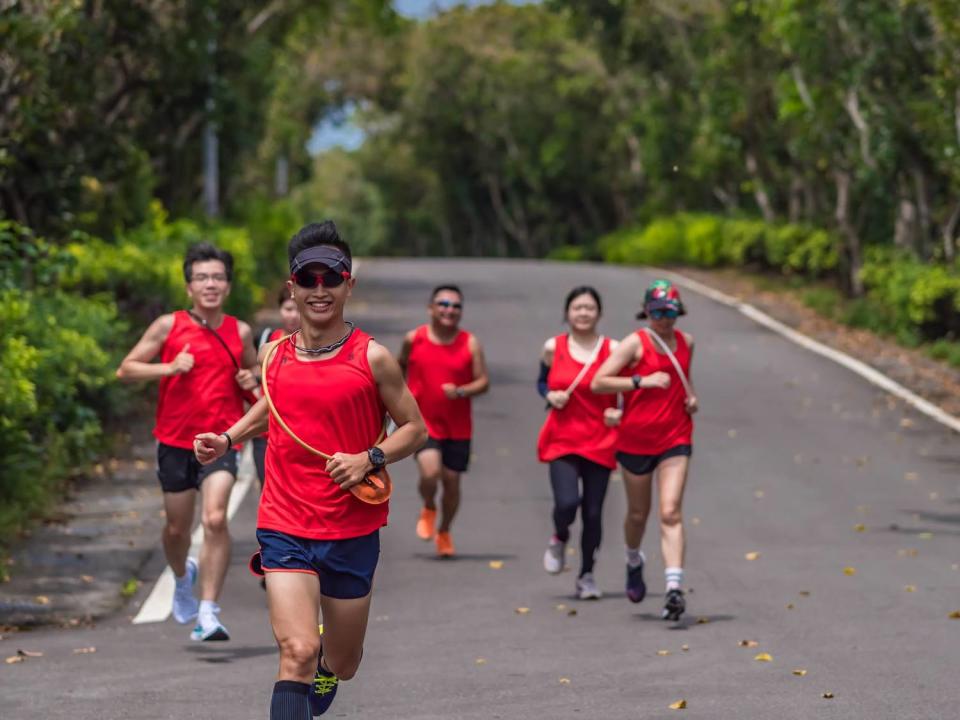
{"x": 205, "y": 373}
{"x": 445, "y": 367}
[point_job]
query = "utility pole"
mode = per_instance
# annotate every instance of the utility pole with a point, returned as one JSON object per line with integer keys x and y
{"x": 211, "y": 149}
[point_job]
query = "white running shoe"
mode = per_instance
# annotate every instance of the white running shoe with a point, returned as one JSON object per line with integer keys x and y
{"x": 555, "y": 556}
{"x": 208, "y": 627}
{"x": 185, "y": 605}
{"x": 587, "y": 588}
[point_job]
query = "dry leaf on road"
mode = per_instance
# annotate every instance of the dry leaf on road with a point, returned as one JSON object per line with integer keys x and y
{"x": 748, "y": 643}
{"x": 752, "y": 555}
{"x": 663, "y": 652}
{"x": 522, "y": 610}
{"x": 84, "y": 650}
{"x": 799, "y": 672}
{"x": 764, "y": 657}
{"x": 679, "y": 705}
{"x": 827, "y": 696}
{"x": 848, "y": 571}
{"x": 496, "y": 564}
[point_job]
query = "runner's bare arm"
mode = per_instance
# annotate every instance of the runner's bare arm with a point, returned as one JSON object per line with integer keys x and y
{"x": 138, "y": 364}
{"x": 404, "y": 355}
{"x": 481, "y": 378}
{"x": 692, "y": 403}
{"x": 209, "y": 446}
{"x": 608, "y": 379}
{"x": 411, "y": 432}
{"x": 247, "y": 374}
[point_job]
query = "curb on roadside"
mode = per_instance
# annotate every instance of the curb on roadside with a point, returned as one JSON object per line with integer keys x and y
{"x": 859, "y": 367}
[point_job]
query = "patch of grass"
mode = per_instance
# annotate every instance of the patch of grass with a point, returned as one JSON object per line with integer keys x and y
{"x": 823, "y": 301}
{"x": 946, "y": 351}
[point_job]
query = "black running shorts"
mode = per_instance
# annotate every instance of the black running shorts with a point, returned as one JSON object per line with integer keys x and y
{"x": 646, "y": 464}
{"x": 179, "y": 470}
{"x": 454, "y": 454}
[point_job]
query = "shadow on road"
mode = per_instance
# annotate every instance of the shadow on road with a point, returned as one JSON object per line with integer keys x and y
{"x": 464, "y": 557}
{"x": 219, "y": 655}
{"x": 686, "y": 622}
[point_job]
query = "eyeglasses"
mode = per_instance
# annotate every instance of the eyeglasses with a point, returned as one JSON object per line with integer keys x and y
{"x": 664, "y": 313}
{"x": 447, "y": 304}
{"x": 203, "y": 277}
{"x": 306, "y": 278}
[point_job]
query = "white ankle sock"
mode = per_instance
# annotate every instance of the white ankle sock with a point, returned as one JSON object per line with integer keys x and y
{"x": 209, "y": 607}
{"x": 635, "y": 557}
{"x": 674, "y": 577}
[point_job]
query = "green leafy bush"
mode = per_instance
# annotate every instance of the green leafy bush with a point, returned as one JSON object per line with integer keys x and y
{"x": 58, "y": 351}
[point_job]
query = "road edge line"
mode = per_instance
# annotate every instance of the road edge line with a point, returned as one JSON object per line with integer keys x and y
{"x": 870, "y": 374}
{"x": 159, "y": 603}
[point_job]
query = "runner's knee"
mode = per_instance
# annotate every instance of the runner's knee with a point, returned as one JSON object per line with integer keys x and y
{"x": 300, "y": 652}
{"x": 670, "y": 515}
{"x": 215, "y": 521}
{"x": 636, "y": 517}
{"x": 344, "y": 667}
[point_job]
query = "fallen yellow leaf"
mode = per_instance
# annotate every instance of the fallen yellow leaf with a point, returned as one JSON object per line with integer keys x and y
{"x": 702, "y": 620}
{"x": 828, "y": 696}
{"x": 42, "y": 600}
{"x": 480, "y": 661}
{"x": 799, "y": 672}
{"x": 14, "y": 659}
{"x": 84, "y": 650}
{"x": 663, "y": 652}
{"x": 860, "y": 527}
{"x": 848, "y": 571}
{"x": 496, "y": 564}
{"x": 764, "y": 657}
{"x": 685, "y": 648}
{"x": 955, "y": 615}
{"x": 560, "y": 607}
{"x": 679, "y": 705}
{"x": 749, "y": 643}
{"x": 752, "y": 555}
{"x": 790, "y": 606}
{"x": 522, "y": 610}
{"x": 564, "y": 681}
{"x": 910, "y": 588}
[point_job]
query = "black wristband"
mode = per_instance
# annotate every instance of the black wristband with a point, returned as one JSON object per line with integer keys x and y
{"x": 229, "y": 439}
{"x": 637, "y": 379}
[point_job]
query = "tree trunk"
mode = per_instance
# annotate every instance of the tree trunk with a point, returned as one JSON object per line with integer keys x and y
{"x": 849, "y": 232}
{"x": 759, "y": 191}
{"x": 923, "y": 208}
{"x": 949, "y": 233}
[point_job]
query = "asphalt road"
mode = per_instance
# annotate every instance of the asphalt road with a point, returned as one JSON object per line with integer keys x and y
{"x": 796, "y": 459}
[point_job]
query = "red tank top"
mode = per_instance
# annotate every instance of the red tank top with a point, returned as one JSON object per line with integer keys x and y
{"x": 578, "y": 429}
{"x": 206, "y": 399}
{"x": 275, "y": 334}
{"x": 656, "y": 420}
{"x": 335, "y": 406}
{"x": 431, "y": 365}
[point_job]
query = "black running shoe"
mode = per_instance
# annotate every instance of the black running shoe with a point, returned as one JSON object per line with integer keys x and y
{"x": 324, "y": 690}
{"x": 636, "y": 587}
{"x": 675, "y": 605}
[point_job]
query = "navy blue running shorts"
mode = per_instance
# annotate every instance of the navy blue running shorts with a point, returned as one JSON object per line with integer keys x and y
{"x": 646, "y": 464}
{"x": 178, "y": 468}
{"x": 345, "y": 567}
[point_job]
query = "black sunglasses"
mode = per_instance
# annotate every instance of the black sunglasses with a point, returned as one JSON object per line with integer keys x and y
{"x": 306, "y": 278}
{"x": 449, "y": 304}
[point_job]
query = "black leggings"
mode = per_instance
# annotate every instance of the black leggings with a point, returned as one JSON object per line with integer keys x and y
{"x": 564, "y": 473}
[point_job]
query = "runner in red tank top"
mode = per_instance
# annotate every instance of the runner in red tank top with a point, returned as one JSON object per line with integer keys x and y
{"x": 444, "y": 367}
{"x": 579, "y": 435}
{"x": 332, "y": 385}
{"x": 205, "y": 366}
{"x": 652, "y": 367}
{"x": 289, "y": 324}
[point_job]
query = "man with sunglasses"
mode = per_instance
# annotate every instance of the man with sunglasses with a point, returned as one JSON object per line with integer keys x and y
{"x": 332, "y": 385}
{"x": 205, "y": 368}
{"x": 444, "y": 367}
{"x": 651, "y": 367}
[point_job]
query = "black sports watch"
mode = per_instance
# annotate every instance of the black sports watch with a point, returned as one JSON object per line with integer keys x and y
{"x": 377, "y": 458}
{"x": 637, "y": 379}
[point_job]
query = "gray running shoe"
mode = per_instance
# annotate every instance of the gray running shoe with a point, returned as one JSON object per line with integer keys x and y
{"x": 554, "y": 557}
{"x": 587, "y": 588}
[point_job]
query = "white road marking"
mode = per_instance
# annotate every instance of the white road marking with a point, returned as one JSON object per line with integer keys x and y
{"x": 159, "y": 603}
{"x": 860, "y": 368}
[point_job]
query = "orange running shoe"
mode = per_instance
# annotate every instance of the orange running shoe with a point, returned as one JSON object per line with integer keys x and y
{"x": 427, "y": 524}
{"x": 445, "y": 545}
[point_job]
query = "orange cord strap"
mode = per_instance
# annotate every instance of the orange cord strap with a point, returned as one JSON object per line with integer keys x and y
{"x": 375, "y": 488}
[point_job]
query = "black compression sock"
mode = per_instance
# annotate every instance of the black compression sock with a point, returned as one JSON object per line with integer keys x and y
{"x": 290, "y": 701}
